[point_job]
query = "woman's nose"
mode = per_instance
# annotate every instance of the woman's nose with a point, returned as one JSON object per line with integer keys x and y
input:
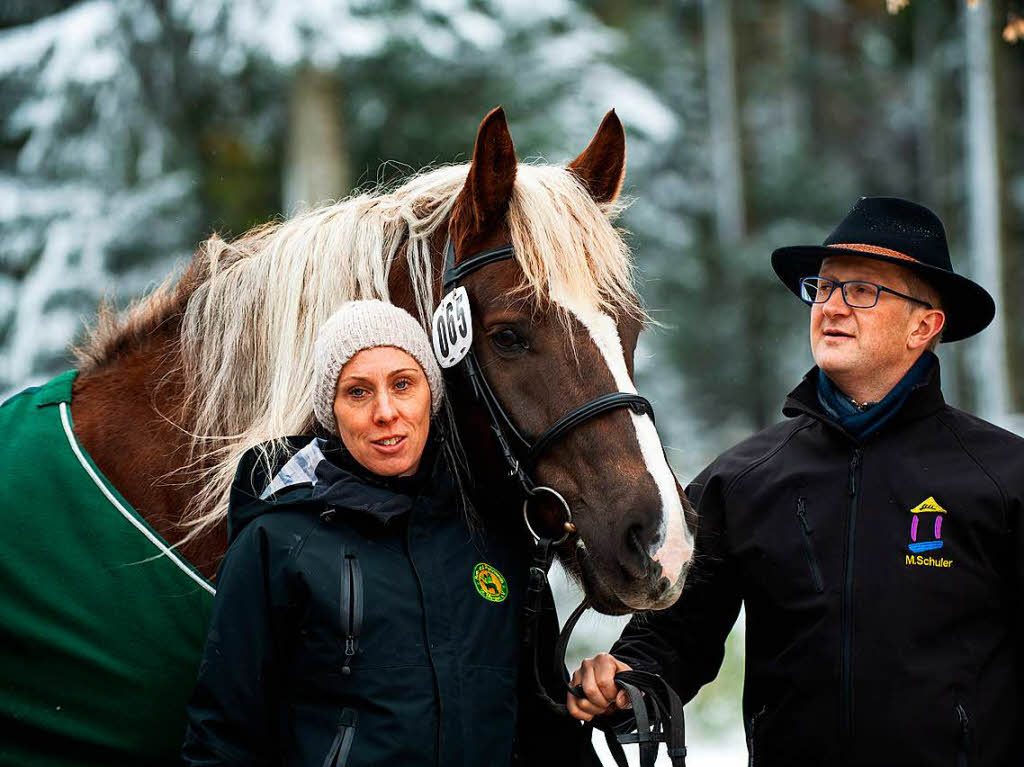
{"x": 384, "y": 411}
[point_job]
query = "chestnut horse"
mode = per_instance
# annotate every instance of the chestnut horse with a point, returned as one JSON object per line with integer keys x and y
{"x": 217, "y": 360}
{"x": 554, "y": 328}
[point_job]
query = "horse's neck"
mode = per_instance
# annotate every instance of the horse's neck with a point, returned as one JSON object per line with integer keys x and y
{"x": 120, "y": 415}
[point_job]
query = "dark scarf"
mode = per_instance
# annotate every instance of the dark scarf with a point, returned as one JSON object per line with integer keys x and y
{"x": 862, "y": 421}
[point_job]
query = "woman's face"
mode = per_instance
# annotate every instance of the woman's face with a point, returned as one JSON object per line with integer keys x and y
{"x": 382, "y": 407}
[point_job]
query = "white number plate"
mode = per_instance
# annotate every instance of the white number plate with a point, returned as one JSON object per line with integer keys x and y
{"x": 452, "y": 328}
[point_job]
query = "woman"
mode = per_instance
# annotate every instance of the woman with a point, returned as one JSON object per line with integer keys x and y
{"x": 358, "y": 621}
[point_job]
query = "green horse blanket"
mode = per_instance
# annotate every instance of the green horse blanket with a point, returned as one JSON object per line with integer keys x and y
{"x": 101, "y": 624}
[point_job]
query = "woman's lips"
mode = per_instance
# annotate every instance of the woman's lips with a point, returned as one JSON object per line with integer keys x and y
{"x": 389, "y": 449}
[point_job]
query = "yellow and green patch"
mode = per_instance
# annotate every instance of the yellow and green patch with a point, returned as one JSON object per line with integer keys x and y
{"x": 490, "y": 584}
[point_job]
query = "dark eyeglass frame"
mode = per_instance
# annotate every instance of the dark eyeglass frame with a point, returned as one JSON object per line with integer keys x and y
{"x": 842, "y": 291}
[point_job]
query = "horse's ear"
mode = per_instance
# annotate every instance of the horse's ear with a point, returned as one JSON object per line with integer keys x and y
{"x": 492, "y": 173}
{"x": 602, "y": 165}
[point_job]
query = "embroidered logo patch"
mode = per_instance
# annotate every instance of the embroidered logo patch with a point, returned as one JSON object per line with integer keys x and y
{"x": 490, "y": 584}
{"x": 926, "y": 534}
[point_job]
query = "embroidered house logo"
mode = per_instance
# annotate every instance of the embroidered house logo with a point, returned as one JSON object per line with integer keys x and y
{"x": 926, "y": 534}
{"x": 919, "y": 526}
{"x": 490, "y": 584}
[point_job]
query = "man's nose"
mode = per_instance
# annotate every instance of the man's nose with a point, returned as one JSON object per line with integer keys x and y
{"x": 835, "y": 304}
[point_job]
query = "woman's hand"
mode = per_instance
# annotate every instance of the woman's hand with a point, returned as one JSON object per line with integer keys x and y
{"x": 597, "y": 675}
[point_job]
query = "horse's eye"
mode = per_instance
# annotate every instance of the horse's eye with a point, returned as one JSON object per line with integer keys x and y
{"x": 508, "y": 340}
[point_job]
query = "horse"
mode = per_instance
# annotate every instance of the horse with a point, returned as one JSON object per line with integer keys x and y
{"x": 167, "y": 396}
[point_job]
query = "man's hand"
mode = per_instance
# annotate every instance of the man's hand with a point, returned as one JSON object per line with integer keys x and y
{"x": 597, "y": 675}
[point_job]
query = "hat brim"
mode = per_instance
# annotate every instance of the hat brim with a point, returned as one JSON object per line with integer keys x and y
{"x": 969, "y": 308}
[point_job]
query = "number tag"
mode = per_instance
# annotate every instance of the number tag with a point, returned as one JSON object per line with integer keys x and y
{"x": 452, "y": 328}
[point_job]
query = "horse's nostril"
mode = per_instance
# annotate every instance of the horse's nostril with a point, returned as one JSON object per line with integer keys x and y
{"x": 637, "y": 560}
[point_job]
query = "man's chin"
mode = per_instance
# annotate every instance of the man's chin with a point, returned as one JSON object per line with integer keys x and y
{"x": 834, "y": 361}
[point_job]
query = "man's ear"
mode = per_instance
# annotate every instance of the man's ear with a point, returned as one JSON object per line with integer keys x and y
{"x": 929, "y": 325}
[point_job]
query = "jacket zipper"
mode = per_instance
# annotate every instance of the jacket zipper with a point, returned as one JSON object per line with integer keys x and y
{"x": 754, "y": 720}
{"x": 965, "y": 736}
{"x": 812, "y": 560}
{"x": 351, "y": 607}
{"x": 426, "y": 633}
{"x": 337, "y": 756}
{"x": 846, "y": 637}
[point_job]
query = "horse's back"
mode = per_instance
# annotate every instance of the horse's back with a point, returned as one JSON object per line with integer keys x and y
{"x": 101, "y": 628}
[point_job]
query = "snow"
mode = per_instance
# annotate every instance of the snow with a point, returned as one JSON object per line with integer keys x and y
{"x": 67, "y": 41}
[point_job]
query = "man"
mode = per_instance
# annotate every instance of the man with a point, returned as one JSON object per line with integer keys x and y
{"x": 874, "y": 538}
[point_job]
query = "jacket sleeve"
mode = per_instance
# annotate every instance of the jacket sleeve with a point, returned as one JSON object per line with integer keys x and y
{"x": 685, "y": 643}
{"x": 1016, "y": 526}
{"x": 231, "y": 716}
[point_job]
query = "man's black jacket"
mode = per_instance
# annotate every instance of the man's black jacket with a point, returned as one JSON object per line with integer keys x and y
{"x": 882, "y": 585}
{"x": 360, "y": 622}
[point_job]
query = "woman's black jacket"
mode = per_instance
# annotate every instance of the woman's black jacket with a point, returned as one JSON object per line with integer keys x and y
{"x": 359, "y": 621}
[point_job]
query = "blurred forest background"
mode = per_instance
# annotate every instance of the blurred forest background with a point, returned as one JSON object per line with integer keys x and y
{"x": 131, "y": 129}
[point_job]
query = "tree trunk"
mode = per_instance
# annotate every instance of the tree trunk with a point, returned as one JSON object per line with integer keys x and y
{"x": 932, "y": 187}
{"x": 726, "y": 166}
{"x": 794, "y": 31}
{"x": 317, "y": 166}
{"x": 984, "y": 219}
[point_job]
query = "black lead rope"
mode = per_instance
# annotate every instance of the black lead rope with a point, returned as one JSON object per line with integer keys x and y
{"x": 657, "y": 711}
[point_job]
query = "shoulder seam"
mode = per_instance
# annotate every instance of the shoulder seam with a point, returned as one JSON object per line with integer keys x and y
{"x": 978, "y": 463}
{"x": 305, "y": 537}
{"x": 732, "y": 483}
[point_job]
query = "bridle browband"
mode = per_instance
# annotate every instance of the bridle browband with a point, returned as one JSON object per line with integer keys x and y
{"x": 657, "y": 710}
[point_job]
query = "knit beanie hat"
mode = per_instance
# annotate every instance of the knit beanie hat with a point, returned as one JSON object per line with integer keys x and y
{"x": 359, "y": 325}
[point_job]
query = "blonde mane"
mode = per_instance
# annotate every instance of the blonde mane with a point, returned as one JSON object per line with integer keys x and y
{"x": 250, "y": 309}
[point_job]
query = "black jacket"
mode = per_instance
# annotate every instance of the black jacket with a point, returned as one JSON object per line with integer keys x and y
{"x": 359, "y": 621}
{"x": 870, "y": 639}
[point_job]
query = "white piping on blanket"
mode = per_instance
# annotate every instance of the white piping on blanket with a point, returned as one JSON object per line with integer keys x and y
{"x": 65, "y": 419}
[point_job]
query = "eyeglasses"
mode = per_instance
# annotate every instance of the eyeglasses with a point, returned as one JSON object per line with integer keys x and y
{"x": 856, "y": 293}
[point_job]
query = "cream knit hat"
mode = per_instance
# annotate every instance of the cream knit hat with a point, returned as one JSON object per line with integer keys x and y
{"x": 359, "y": 325}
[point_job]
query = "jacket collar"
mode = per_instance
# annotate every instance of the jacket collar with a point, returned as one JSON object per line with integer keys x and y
{"x": 320, "y": 472}
{"x": 924, "y": 400}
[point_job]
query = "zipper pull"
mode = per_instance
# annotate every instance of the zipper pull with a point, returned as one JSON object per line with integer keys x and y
{"x": 801, "y": 513}
{"x": 965, "y": 735}
{"x": 964, "y": 723}
{"x": 854, "y": 463}
{"x": 350, "y": 646}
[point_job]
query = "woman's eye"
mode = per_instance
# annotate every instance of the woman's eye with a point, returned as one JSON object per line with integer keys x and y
{"x": 356, "y": 391}
{"x": 402, "y": 384}
{"x": 508, "y": 340}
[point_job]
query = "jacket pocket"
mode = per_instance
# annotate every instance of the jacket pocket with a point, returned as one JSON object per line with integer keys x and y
{"x": 350, "y": 603}
{"x": 808, "y": 531}
{"x": 337, "y": 756}
{"x": 755, "y": 720}
{"x": 965, "y": 736}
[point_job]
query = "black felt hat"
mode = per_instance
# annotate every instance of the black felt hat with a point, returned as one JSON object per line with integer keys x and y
{"x": 900, "y": 232}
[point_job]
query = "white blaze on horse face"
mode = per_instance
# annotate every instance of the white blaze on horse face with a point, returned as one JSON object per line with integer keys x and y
{"x": 673, "y": 546}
